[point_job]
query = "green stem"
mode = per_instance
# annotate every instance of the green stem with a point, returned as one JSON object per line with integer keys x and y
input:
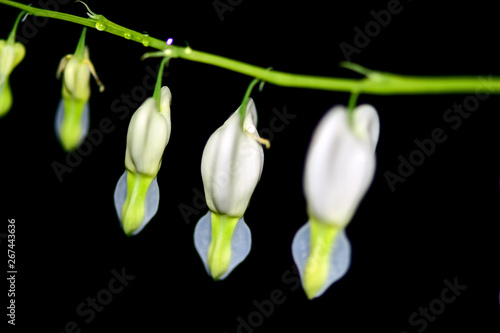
{"x": 157, "y": 92}
{"x": 377, "y": 83}
{"x": 243, "y": 107}
{"x": 351, "y": 105}
{"x": 12, "y": 35}
{"x": 80, "y": 48}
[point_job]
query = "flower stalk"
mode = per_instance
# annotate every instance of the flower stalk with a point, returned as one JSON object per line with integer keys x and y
{"x": 378, "y": 83}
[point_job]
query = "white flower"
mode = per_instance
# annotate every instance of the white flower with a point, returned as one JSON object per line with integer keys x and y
{"x": 340, "y": 163}
{"x": 232, "y": 164}
{"x": 137, "y": 195}
{"x": 148, "y": 135}
{"x": 231, "y": 167}
{"x": 339, "y": 169}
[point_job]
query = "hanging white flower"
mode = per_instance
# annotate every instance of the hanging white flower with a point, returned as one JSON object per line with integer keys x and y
{"x": 137, "y": 194}
{"x": 231, "y": 167}
{"x": 339, "y": 169}
{"x": 340, "y": 163}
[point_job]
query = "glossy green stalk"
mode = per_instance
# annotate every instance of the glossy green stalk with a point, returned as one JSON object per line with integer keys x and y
{"x": 378, "y": 83}
{"x": 157, "y": 92}
{"x": 12, "y": 35}
{"x": 243, "y": 107}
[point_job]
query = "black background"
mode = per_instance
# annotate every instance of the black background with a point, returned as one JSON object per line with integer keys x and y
{"x": 439, "y": 224}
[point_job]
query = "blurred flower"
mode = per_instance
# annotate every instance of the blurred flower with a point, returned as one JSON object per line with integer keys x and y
{"x": 11, "y": 54}
{"x": 72, "y": 117}
{"x": 339, "y": 169}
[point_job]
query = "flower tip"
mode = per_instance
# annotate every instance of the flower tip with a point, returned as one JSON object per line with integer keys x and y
{"x": 218, "y": 270}
{"x": 228, "y": 249}
{"x": 137, "y": 209}
{"x": 311, "y": 289}
{"x": 320, "y": 262}
{"x": 130, "y": 227}
{"x": 128, "y": 231}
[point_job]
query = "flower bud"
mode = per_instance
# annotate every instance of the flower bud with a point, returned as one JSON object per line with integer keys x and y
{"x": 232, "y": 164}
{"x": 231, "y": 167}
{"x": 339, "y": 169}
{"x": 11, "y": 54}
{"x": 340, "y": 163}
{"x": 148, "y": 135}
{"x": 72, "y": 116}
{"x": 137, "y": 194}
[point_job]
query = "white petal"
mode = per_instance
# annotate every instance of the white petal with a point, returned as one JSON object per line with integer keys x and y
{"x": 232, "y": 164}
{"x": 147, "y": 137}
{"x": 367, "y": 124}
{"x": 77, "y": 79}
{"x": 339, "y": 167}
{"x": 340, "y": 260}
{"x": 241, "y": 242}
{"x": 165, "y": 101}
{"x": 152, "y": 200}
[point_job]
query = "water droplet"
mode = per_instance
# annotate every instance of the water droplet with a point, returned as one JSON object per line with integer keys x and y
{"x": 100, "y": 26}
{"x": 145, "y": 42}
{"x": 251, "y": 129}
{"x": 127, "y": 35}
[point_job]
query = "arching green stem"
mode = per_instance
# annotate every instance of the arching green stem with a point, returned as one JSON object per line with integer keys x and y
{"x": 157, "y": 92}
{"x": 12, "y": 35}
{"x": 244, "y": 103}
{"x": 378, "y": 83}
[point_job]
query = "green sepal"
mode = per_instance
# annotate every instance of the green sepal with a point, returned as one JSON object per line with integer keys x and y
{"x": 318, "y": 263}
{"x": 134, "y": 207}
{"x": 219, "y": 251}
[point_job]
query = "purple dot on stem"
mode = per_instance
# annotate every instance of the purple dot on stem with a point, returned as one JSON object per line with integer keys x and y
{"x": 169, "y": 41}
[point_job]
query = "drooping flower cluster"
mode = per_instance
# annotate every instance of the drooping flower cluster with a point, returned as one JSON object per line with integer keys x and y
{"x": 339, "y": 169}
